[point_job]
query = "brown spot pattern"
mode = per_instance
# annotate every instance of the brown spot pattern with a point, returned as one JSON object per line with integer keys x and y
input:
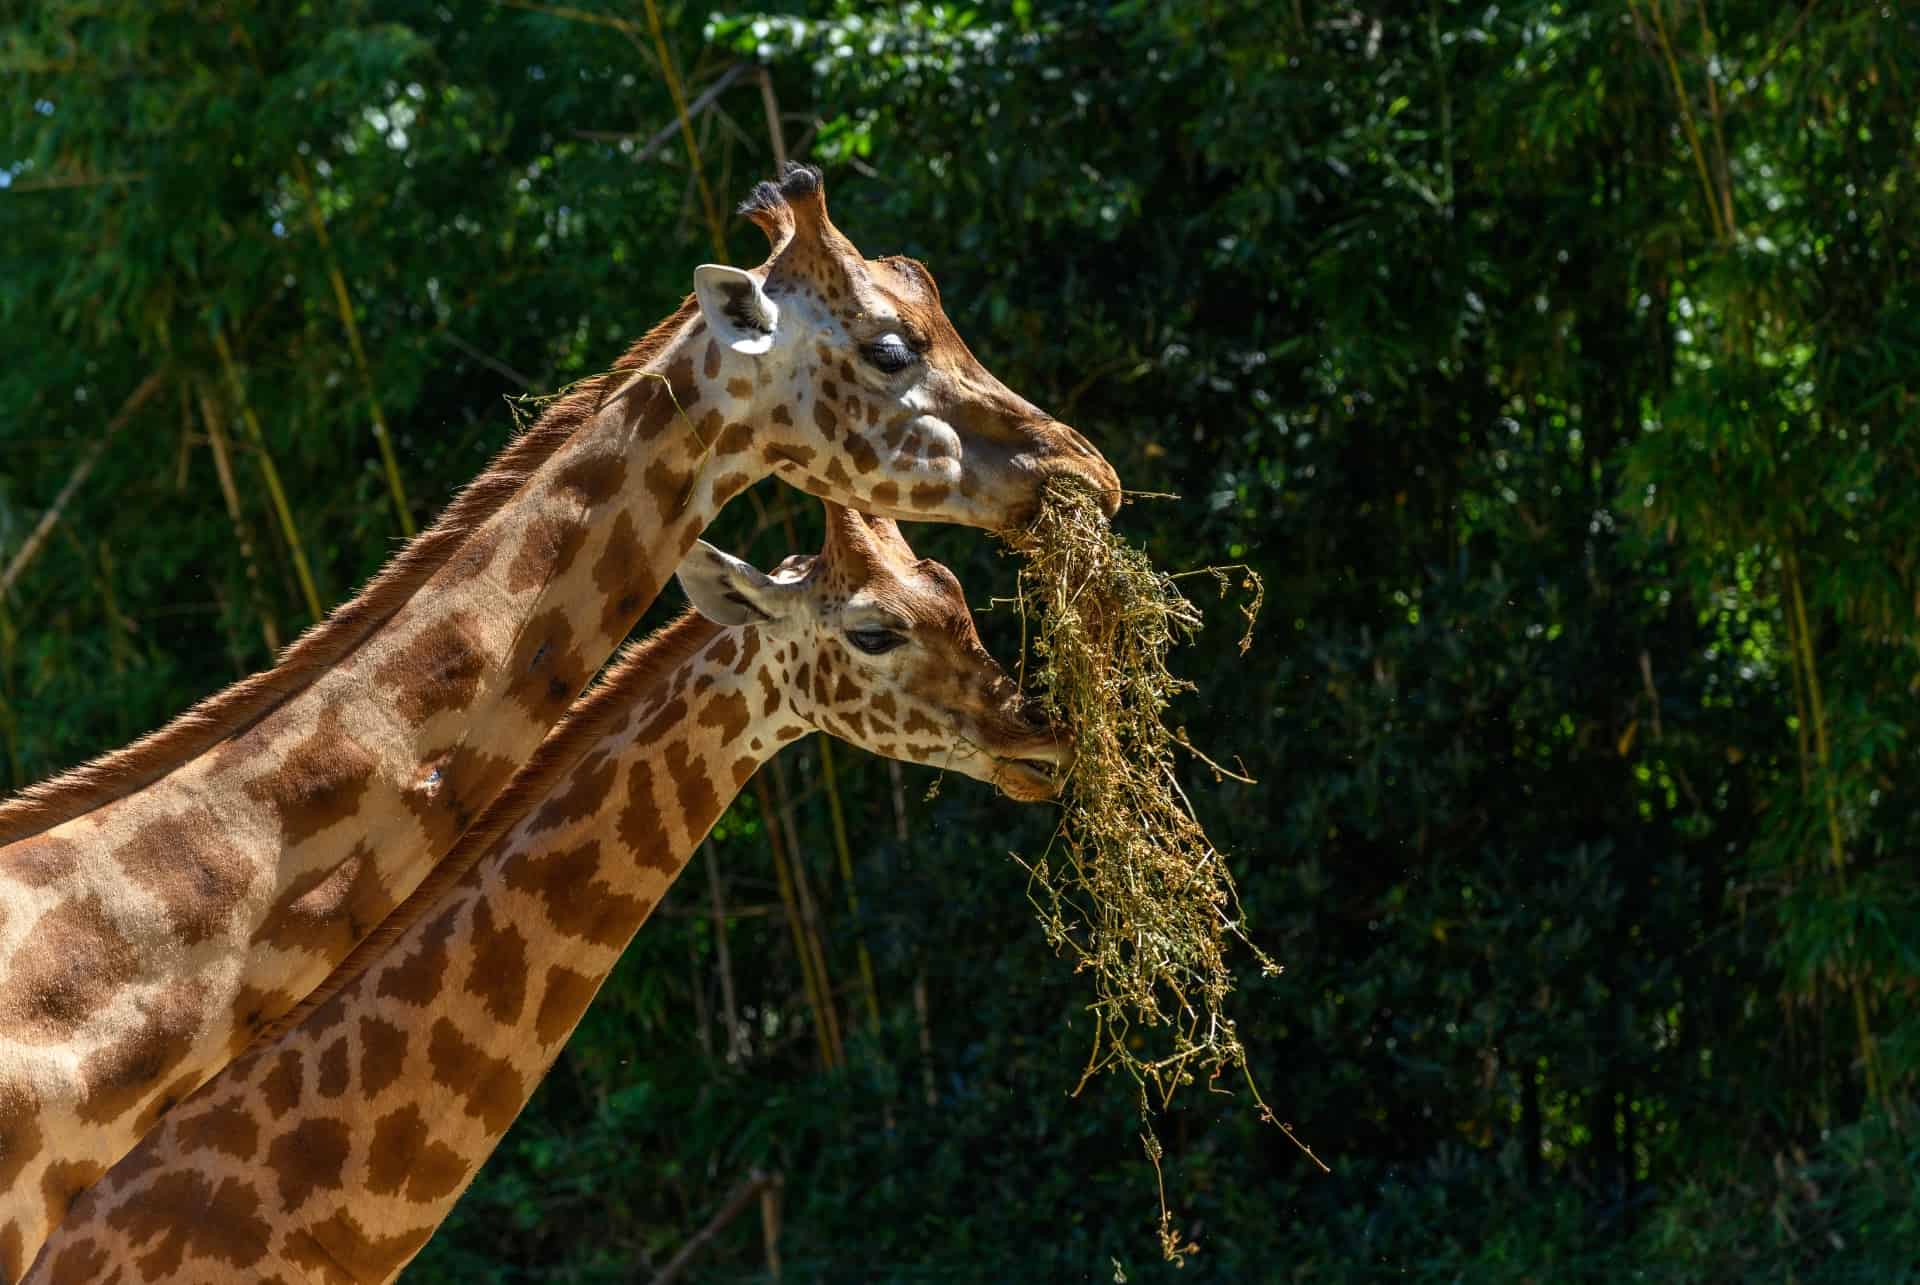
{"x": 491, "y": 1087}
{"x": 925, "y": 495}
{"x": 310, "y": 1157}
{"x": 65, "y": 970}
{"x": 415, "y": 978}
{"x": 566, "y": 997}
{"x": 679, "y": 377}
{"x": 622, "y": 574}
{"x": 593, "y": 478}
{"x": 642, "y": 830}
{"x": 228, "y": 1127}
{"x": 340, "y": 1244}
{"x": 729, "y": 713}
{"x": 667, "y": 485}
{"x": 402, "y": 1154}
{"x": 576, "y": 903}
{"x": 547, "y": 672}
{"x": 283, "y": 1086}
{"x": 327, "y": 912}
{"x": 332, "y": 1078}
{"x": 383, "y": 1054}
{"x": 438, "y": 672}
{"x": 20, "y": 1134}
{"x": 318, "y": 782}
{"x": 586, "y": 785}
{"x": 497, "y": 974}
{"x": 125, "y": 1071}
{"x": 664, "y": 719}
{"x": 547, "y": 550}
{"x": 79, "y": 1263}
{"x": 191, "y": 869}
{"x": 699, "y": 805}
{"x": 469, "y": 560}
{"x": 38, "y": 861}
{"x": 457, "y": 784}
{"x": 183, "y": 1211}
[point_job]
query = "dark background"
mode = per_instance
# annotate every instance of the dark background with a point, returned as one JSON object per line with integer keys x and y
{"x": 1554, "y": 363}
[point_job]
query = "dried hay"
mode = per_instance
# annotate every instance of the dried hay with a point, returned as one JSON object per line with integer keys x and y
{"x": 1130, "y": 887}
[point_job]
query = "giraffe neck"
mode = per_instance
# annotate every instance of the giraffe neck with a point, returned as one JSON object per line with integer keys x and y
{"x": 338, "y": 1147}
{"x": 146, "y": 940}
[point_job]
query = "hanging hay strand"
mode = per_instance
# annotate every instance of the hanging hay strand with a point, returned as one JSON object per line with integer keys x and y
{"x": 1130, "y": 888}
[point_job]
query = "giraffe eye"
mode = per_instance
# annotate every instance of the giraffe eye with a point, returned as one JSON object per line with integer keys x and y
{"x": 876, "y": 641}
{"x": 890, "y": 353}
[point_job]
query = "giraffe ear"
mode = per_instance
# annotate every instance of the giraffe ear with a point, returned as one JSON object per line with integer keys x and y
{"x": 736, "y": 307}
{"x": 728, "y": 591}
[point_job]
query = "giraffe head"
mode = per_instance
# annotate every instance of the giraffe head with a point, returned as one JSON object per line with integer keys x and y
{"x": 872, "y": 398}
{"x": 877, "y": 647}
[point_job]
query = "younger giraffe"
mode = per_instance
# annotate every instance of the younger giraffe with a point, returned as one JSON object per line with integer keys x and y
{"x": 160, "y": 906}
{"x": 333, "y": 1151}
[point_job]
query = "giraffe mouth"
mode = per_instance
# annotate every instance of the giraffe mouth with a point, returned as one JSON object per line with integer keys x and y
{"x": 1030, "y": 779}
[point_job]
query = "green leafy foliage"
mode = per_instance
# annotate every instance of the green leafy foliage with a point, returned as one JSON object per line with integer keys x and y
{"x": 1552, "y": 364}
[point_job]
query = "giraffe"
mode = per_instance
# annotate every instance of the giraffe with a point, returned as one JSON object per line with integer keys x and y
{"x": 331, "y": 1151}
{"x": 162, "y": 904}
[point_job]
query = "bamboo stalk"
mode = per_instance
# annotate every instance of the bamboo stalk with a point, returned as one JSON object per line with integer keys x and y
{"x": 770, "y": 1223}
{"x": 258, "y": 441}
{"x": 715, "y": 228}
{"x": 1721, "y": 167}
{"x": 795, "y": 926}
{"x": 929, "y": 1089}
{"x": 729, "y": 1008}
{"x": 118, "y": 626}
{"x": 572, "y": 14}
{"x": 841, "y": 848}
{"x": 380, "y": 433}
{"x": 771, "y": 106}
{"x": 809, "y": 912}
{"x": 702, "y": 1024}
{"x": 37, "y": 538}
{"x": 1659, "y": 28}
{"x": 243, "y": 535}
{"x": 9, "y": 722}
{"x": 341, "y": 300}
{"x": 1869, "y": 1047}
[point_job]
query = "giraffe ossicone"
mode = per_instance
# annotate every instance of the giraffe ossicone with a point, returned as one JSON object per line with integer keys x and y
{"x": 162, "y": 905}
{"x": 332, "y": 1150}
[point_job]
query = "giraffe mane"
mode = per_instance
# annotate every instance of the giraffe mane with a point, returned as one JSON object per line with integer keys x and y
{"x": 235, "y": 708}
{"x": 587, "y": 723}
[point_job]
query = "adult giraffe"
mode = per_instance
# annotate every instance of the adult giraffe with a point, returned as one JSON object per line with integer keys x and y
{"x": 333, "y": 1150}
{"x": 160, "y": 905}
